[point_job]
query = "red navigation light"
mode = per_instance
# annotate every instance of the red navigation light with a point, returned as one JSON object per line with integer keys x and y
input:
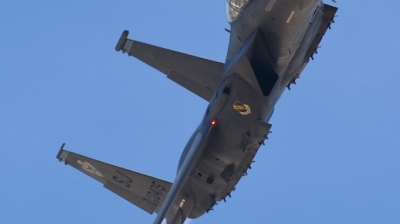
{"x": 213, "y": 122}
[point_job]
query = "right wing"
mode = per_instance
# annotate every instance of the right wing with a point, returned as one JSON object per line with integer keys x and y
{"x": 200, "y": 76}
{"x": 141, "y": 190}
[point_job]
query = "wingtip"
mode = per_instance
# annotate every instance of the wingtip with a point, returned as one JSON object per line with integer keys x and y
{"x": 122, "y": 40}
{"x": 60, "y": 151}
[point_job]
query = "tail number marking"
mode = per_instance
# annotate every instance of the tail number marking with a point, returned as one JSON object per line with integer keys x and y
{"x": 155, "y": 192}
{"x": 125, "y": 181}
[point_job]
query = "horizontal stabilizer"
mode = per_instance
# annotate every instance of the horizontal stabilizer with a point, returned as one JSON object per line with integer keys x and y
{"x": 141, "y": 190}
{"x": 200, "y": 76}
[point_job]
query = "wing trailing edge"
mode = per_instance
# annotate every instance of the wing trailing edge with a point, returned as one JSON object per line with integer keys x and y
{"x": 198, "y": 75}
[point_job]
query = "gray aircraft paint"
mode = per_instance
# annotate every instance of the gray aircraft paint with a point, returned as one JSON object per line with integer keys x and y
{"x": 179, "y": 180}
{"x": 270, "y": 44}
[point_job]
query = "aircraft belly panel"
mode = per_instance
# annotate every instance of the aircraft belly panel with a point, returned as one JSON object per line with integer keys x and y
{"x": 281, "y": 36}
{"x": 225, "y": 160}
{"x": 309, "y": 45}
{"x": 282, "y": 40}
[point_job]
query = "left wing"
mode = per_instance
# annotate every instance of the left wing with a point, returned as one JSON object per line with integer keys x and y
{"x": 144, "y": 191}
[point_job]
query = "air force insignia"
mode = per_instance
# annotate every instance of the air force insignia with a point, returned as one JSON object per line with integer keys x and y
{"x": 243, "y": 109}
{"x": 89, "y": 168}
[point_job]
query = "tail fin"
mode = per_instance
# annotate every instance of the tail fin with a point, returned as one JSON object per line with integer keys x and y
{"x": 144, "y": 191}
{"x": 200, "y": 76}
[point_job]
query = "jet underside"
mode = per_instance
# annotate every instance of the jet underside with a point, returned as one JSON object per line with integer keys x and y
{"x": 261, "y": 63}
{"x": 271, "y": 41}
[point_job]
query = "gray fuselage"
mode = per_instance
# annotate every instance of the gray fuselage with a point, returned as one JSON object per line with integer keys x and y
{"x": 285, "y": 30}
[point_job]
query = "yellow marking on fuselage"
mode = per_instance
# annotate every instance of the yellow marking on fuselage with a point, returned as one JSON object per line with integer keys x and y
{"x": 242, "y": 108}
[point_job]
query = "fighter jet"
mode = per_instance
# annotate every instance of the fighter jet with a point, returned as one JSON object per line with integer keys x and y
{"x": 271, "y": 42}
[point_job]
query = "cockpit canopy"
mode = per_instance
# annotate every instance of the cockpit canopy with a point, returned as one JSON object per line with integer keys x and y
{"x": 234, "y": 8}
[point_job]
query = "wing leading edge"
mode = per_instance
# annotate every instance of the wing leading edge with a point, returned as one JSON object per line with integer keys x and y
{"x": 144, "y": 191}
{"x": 198, "y": 75}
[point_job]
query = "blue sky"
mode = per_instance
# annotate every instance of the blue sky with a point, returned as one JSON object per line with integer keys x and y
{"x": 333, "y": 156}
